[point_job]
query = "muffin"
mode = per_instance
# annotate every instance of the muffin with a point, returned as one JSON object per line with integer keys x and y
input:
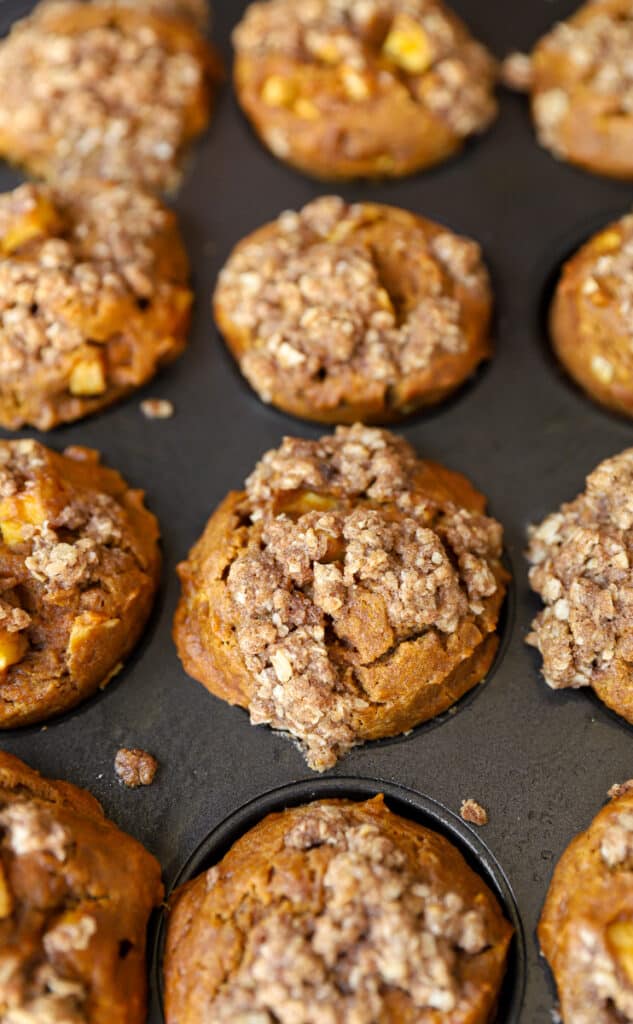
{"x": 586, "y": 928}
{"x": 362, "y": 88}
{"x": 196, "y": 11}
{"x": 344, "y": 313}
{"x": 79, "y": 567}
{"x": 341, "y": 913}
{"x": 590, "y": 317}
{"x": 580, "y": 78}
{"x": 94, "y": 298}
{"x": 75, "y": 897}
{"x": 350, "y": 592}
{"x": 582, "y": 567}
{"x": 103, "y": 90}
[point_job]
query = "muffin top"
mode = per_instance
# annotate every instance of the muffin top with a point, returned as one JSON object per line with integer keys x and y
{"x": 338, "y": 305}
{"x": 93, "y": 298}
{"x": 347, "y": 914}
{"x": 79, "y": 563}
{"x": 103, "y": 90}
{"x": 75, "y": 898}
{"x": 349, "y": 563}
{"x": 581, "y": 561}
{"x": 369, "y": 47}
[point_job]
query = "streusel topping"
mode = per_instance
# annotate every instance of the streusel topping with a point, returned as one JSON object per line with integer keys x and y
{"x": 318, "y": 298}
{"x": 597, "y": 60}
{"x": 110, "y": 97}
{"x": 384, "y": 925}
{"x": 343, "y": 538}
{"x": 581, "y": 566}
{"x": 372, "y": 47}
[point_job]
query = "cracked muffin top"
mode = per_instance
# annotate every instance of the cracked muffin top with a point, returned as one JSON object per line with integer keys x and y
{"x": 336, "y": 913}
{"x": 586, "y": 928}
{"x": 350, "y": 592}
{"x": 94, "y": 298}
{"x": 347, "y": 88}
{"x": 580, "y": 78}
{"x": 75, "y": 897}
{"x": 581, "y": 558}
{"x": 590, "y": 318}
{"x": 346, "y": 313}
{"x": 79, "y": 566}
{"x": 103, "y": 90}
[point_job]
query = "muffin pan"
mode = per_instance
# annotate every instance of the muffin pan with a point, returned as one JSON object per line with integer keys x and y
{"x": 540, "y": 762}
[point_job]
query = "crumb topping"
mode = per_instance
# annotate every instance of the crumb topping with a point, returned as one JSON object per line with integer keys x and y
{"x": 581, "y": 561}
{"x": 608, "y": 275}
{"x": 619, "y": 789}
{"x": 346, "y": 563}
{"x": 617, "y": 841}
{"x": 112, "y": 99}
{"x": 372, "y": 48}
{"x": 194, "y": 10}
{"x": 313, "y": 295}
{"x": 135, "y": 767}
{"x": 383, "y": 926}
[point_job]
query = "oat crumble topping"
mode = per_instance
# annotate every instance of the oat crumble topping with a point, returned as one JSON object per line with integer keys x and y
{"x": 311, "y": 295}
{"x": 450, "y": 75}
{"x": 619, "y": 789}
{"x": 110, "y": 100}
{"x": 375, "y": 551}
{"x": 135, "y": 767}
{"x": 581, "y": 567}
{"x": 382, "y": 926}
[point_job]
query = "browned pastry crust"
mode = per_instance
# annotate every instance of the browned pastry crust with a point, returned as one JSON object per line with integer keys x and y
{"x": 350, "y": 592}
{"x": 582, "y": 567}
{"x": 591, "y": 321}
{"x": 365, "y": 313}
{"x": 94, "y": 298}
{"x": 586, "y": 928}
{"x": 105, "y": 91}
{"x": 336, "y": 913}
{"x": 581, "y": 84}
{"x": 79, "y": 567}
{"x": 373, "y": 88}
{"x": 75, "y": 897}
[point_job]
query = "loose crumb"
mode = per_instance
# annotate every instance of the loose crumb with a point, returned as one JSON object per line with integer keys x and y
{"x": 135, "y": 767}
{"x": 620, "y": 789}
{"x": 473, "y": 812}
{"x": 157, "y": 409}
{"x": 517, "y": 72}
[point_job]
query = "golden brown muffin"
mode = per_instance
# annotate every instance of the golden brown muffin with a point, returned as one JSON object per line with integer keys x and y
{"x": 590, "y": 319}
{"x": 337, "y": 913}
{"x": 196, "y": 11}
{"x": 103, "y": 91}
{"x": 350, "y": 592}
{"x": 586, "y": 928}
{"x": 345, "y": 313}
{"x": 581, "y": 82}
{"x": 373, "y": 88}
{"x": 79, "y": 567}
{"x": 582, "y": 567}
{"x": 75, "y": 897}
{"x": 94, "y": 299}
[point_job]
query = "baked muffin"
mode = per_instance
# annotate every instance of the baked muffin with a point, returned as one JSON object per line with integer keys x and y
{"x": 103, "y": 90}
{"x": 582, "y": 568}
{"x": 196, "y": 11}
{"x": 350, "y": 592}
{"x": 590, "y": 318}
{"x": 371, "y": 88}
{"x": 94, "y": 298}
{"x": 79, "y": 567}
{"x": 586, "y": 929}
{"x": 580, "y": 78}
{"x": 75, "y": 897}
{"x": 341, "y": 913}
{"x": 345, "y": 313}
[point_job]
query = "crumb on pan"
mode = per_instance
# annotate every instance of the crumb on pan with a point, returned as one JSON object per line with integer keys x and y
{"x": 157, "y": 409}
{"x": 517, "y": 72}
{"x": 135, "y": 767}
{"x": 473, "y": 812}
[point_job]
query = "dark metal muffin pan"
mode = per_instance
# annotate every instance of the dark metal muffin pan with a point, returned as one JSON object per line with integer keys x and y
{"x": 541, "y": 762}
